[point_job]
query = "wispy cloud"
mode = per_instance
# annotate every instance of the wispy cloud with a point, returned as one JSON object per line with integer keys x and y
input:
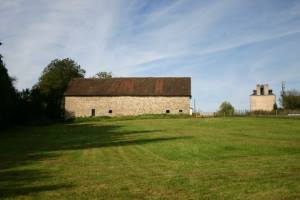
{"x": 226, "y": 46}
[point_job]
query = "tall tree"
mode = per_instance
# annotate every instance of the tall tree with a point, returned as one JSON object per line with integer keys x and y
{"x": 290, "y": 99}
{"x": 54, "y": 81}
{"x": 103, "y": 75}
{"x": 7, "y": 95}
{"x": 226, "y": 109}
{"x": 30, "y": 106}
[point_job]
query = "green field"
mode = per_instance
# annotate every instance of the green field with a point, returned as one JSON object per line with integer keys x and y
{"x": 180, "y": 158}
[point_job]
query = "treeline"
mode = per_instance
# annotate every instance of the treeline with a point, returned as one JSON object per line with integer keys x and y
{"x": 44, "y": 101}
{"x": 8, "y": 96}
{"x": 290, "y": 99}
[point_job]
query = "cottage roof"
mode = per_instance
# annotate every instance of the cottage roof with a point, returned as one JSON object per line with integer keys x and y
{"x": 135, "y": 86}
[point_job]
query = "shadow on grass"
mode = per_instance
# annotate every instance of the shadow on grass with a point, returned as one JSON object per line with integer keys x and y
{"x": 26, "y": 147}
{"x": 89, "y": 136}
{"x": 17, "y": 182}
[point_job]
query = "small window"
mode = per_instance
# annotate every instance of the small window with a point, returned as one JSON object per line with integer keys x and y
{"x": 262, "y": 91}
{"x": 180, "y": 111}
{"x": 167, "y": 111}
{"x": 109, "y": 111}
{"x": 270, "y": 91}
{"x": 93, "y": 113}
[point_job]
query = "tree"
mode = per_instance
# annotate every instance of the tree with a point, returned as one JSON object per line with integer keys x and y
{"x": 103, "y": 75}
{"x": 7, "y": 96}
{"x": 290, "y": 99}
{"x": 275, "y": 107}
{"x": 282, "y": 94}
{"x": 226, "y": 109}
{"x": 54, "y": 81}
{"x": 30, "y": 106}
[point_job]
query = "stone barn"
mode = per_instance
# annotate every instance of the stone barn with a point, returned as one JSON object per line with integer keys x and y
{"x": 262, "y": 98}
{"x": 127, "y": 96}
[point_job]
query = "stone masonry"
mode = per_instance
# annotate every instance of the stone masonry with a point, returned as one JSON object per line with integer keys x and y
{"x": 262, "y": 99}
{"x": 264, "y": 103}
{"x": 82, "y": 106}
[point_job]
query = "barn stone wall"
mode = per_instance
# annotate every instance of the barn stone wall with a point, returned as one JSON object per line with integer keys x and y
{"x": 262, "y": 102}
{"x": 76, "y": 106}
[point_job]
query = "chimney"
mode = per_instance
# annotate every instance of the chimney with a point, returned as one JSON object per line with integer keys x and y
{"x": 266, "y": 89}
{"x": 257, "y": 89}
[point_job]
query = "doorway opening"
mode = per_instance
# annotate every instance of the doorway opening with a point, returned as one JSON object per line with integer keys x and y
{"x": 93, "y": 113}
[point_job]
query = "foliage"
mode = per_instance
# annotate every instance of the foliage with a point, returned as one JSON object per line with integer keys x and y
{"x": 262, "y": 112}
{"x": 54, "y": 81}
{"x": 213, "y": 158}
{"x": 7, "y": 96}
{"x": 44, "y": 99}
{"x": 226, "y": 109}
{"x": 30, "y": 107}
{"x": 103, "y": 75}
{"x": 275, "y": 107}
{"x": 130, "y": 117}
{"x": 290, "y": 99}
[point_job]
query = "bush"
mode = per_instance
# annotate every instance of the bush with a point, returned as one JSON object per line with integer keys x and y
{"x": 226, "y": 109}
{"x": 263, "y": 112}
{"x": 290, "y": 99}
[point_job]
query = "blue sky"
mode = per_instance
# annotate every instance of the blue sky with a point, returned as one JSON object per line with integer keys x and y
{"x": 227, "y": 47}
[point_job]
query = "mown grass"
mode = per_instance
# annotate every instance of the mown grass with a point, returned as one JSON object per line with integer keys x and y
{"x": 153, "y": 158}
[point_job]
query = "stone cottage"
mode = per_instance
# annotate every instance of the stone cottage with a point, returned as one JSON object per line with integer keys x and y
{"x": 127, "y": 96}
{"x": 262, "y": 98}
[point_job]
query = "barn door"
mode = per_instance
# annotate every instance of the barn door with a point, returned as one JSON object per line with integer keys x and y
{"x": 93, "y": 113}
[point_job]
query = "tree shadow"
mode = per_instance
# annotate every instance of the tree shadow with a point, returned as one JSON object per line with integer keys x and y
{"x": 17, "y": 182}
{"x": 36, "y": 144}
{"x": 85, "y": 136}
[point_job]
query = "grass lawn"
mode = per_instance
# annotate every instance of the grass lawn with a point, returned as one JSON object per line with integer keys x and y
{"x": 183, "y": 158}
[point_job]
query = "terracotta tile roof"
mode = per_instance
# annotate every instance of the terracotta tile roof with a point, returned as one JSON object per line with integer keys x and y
{"x": 137, "y": 86}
